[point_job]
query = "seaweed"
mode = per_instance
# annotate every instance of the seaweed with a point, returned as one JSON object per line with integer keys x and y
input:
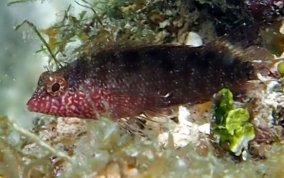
{"x": 114, "y": 24}
{"x": 106, "y": 150}
{"x": 13, "y": 140}
{"x": 232, "y": 124}
{"x": 19, "y": 1}
{"x": 49, "y": 47}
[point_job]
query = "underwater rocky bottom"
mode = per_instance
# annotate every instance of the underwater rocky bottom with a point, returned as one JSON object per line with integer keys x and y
{"x": 176, "y": 145}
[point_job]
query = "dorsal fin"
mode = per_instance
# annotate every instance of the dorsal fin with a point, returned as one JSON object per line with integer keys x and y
{"x": 259, "y": 57}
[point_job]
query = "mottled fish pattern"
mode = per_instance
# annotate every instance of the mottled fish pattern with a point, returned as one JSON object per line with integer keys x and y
{"x": 126, "y": 82}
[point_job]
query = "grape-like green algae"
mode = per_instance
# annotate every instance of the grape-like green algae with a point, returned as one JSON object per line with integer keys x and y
{"x": 232, "y": 124}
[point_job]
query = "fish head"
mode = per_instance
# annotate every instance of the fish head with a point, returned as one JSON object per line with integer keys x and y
{"x": 54, "y": 96}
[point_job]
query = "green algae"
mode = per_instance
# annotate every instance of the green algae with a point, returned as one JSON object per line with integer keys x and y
{"x": 232, "y": 124}
{"x": 280, "y": 69}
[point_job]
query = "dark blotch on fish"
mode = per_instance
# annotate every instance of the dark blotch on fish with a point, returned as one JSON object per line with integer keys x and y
{"x": 126, "y": 82}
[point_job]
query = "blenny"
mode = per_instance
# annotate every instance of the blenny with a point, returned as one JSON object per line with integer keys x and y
{"x": 126, "y": 82}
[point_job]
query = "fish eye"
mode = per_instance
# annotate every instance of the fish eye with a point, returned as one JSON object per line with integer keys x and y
{"x": 56, "y": 85}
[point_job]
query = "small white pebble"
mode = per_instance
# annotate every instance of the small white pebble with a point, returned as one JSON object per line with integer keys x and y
{"x": 183, "y": 115}
{"x": 273, "y": 86}
{"x": 205, "y": 128}
{"x": 281, "y": 30}
{"x": 164, "y": 24}
{"x": 132, "y": 172}
{"x": 193, "y": 39}
{"x": 244, "y": 155}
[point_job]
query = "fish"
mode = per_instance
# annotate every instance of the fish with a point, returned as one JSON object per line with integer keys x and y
{"x": 129, "y": 81}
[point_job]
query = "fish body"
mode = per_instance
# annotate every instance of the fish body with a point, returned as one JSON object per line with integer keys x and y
{"x": 126, "y": 82}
